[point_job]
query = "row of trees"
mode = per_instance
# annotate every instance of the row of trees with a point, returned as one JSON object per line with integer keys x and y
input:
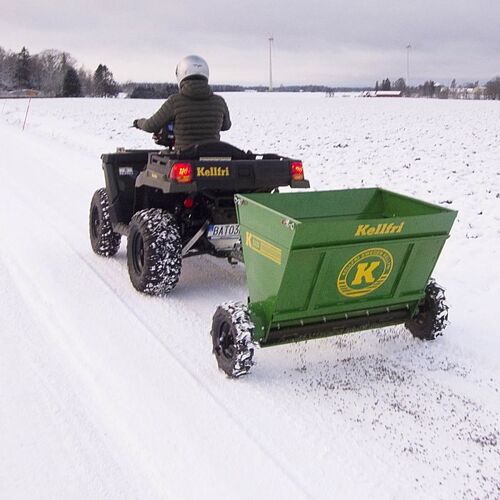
{"x": 150, "y": 90}
{"x": 163, "y": 90}
{"x": 399, "y": 84}
{"x": 469, "y": 90}
{"x": 53, "y": 73}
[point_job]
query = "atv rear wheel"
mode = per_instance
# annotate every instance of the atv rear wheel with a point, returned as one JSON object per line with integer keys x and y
{"x": 103, "y": 239}
{"x": 432, "y": 316}
{"x": 154, "y": 252}
{"x": 232, "y": 342}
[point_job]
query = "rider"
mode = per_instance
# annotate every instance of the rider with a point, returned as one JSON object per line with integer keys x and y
{"x": 198, "y": 114}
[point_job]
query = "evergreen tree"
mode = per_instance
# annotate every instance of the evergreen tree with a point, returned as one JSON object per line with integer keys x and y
{"x": 376, "y": 86}
{"x": 71, "y": 84}
{"x": 23, "y": 69}
{"x": 429, "y": 88}
{"x": 104, "y": 83}
{"x": 386, "y": 84}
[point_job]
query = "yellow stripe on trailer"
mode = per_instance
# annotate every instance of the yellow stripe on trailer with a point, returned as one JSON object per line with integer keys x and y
{"x": 263, "y": 247}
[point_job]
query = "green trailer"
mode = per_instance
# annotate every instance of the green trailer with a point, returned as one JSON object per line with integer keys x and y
{"x": 332, "y": 262}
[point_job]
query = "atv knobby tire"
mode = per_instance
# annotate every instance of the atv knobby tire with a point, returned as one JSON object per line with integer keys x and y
{"x": 154, "y": 251}
{"x": 103, "y": 239}
{"x": 432, "y": 316}
{"x": 232, "y": 342}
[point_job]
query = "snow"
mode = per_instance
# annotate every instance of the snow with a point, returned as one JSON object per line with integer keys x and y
{"x": 106, "y": 393}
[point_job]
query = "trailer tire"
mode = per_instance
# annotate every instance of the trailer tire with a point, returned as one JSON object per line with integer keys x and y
{"x": 154, "y": 252}
{"x": 232, "y": 341}
{"x": 432, "y": 316}
{"x": 103, "y": 239}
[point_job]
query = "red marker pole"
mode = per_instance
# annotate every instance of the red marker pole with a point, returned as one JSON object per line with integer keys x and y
{"x": 26, "y": 116}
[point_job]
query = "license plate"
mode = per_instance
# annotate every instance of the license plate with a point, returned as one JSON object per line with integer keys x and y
{"x": 126, "y": 171}
{"x": 223, "y": 231}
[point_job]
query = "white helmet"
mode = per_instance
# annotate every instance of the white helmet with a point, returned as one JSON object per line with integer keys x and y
{"x": 191, "y": 66}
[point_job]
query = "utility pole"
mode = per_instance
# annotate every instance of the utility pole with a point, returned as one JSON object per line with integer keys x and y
{"x": 408, "y": 50}
{"x": 271, "y": 40}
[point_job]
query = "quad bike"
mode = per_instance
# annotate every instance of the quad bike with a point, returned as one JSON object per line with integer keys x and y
{"x": 172, "y": 206}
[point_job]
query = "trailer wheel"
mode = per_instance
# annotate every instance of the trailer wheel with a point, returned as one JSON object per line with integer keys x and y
{"x": 432, "y": 316}
{"x": 233, "y": 346}
{"x": 103, "y": 239}
{"x": 154, "y": 252}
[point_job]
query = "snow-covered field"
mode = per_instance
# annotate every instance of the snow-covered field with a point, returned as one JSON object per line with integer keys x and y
{"x": 106, "y": 393}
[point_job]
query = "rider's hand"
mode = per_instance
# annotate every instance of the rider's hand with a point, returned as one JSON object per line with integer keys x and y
{"x": 135, "y": 124}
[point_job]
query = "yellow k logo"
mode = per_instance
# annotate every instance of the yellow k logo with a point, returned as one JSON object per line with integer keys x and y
{"x": 365, "y": 272}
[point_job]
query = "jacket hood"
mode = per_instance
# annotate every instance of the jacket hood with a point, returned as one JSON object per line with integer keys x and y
{"x": 195, "y": 89}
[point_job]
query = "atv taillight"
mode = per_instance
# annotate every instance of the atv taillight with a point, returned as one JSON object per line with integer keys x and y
{"x": 297, "y": 171}
{"x": 182, "y": 173}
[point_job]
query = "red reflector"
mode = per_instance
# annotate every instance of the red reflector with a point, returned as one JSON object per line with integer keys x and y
{"x": 188, "y": 203}
{"x": 297, "y": 171}
{"x": 182, "y": 173}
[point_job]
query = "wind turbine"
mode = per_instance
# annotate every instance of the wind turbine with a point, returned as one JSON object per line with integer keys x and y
{"x": 271, "y": 40}
{"x": 408, "y": 50}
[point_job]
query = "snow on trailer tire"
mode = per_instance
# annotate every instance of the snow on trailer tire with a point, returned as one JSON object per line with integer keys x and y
{"x": 103, "y": 239}
{"x": 233, "y": 345}
{"x": 154, "y": 251}
{"x": 432, "y": 316}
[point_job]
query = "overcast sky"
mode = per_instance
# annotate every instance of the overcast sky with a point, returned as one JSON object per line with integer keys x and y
{"x": 316, "y": 41}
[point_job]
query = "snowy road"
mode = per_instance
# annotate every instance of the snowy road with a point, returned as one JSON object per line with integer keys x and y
{"x": 105, "y": 393}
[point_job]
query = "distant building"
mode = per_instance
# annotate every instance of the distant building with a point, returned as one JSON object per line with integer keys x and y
{"x": 468, "y": 92}
{"x": 383, "y": 93}
{"x": 388, "y": 93}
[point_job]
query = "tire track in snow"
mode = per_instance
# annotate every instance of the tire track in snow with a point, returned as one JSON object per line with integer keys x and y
{"x": 91, "y": 468}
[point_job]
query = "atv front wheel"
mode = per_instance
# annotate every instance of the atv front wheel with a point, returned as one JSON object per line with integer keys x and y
{"x": 432, "y": 316}
{"x": 154, "y": 252}
{"x": 232, "y": 342}
{"x": 103, "y": 239}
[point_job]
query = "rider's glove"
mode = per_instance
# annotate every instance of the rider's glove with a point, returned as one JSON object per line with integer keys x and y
{"x": 135, "y": 124}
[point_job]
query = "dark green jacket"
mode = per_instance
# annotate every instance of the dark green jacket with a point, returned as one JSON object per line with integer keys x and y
{"x": 198, "y": 114}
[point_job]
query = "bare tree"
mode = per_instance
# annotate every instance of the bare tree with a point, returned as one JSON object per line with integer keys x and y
{"x": 399, "y": 84}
